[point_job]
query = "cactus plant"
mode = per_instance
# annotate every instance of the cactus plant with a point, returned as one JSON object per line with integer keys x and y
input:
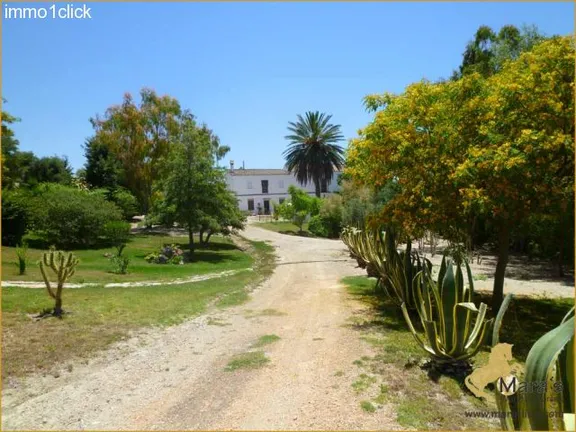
{"x": 64, "y": 268}
{"x": 22, "y": 255}
{"x": 377, "y": 251}
{"x": 446, "y": 311}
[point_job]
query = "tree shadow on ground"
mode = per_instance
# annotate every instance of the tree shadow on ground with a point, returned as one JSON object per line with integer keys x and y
{"x": 297, "y": 234}
{"x": 528, "y": 319}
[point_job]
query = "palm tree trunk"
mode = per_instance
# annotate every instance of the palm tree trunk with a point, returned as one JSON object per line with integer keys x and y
{"x": 317, "y": 187}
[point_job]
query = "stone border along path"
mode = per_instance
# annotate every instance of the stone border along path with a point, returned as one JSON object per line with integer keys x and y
{"x": 197, "y": 278}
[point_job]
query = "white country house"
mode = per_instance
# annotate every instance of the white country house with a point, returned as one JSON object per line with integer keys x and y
{"x": 258, "y": 189}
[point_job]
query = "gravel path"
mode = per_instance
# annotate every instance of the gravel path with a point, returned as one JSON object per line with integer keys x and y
{"x": 197, "y": 278}
{"x": 175, "y": 378}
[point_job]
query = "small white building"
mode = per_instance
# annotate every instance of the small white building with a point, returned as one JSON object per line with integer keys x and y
{"x": 258, "y": 189}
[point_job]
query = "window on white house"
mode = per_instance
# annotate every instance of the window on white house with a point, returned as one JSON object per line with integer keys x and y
{"x": 281, "y": 184}
{"x": 251, "y": 204}
{"x": 282, "y": 200}
{"x": 249, "y": 185}
{"x": 264, "y": 186}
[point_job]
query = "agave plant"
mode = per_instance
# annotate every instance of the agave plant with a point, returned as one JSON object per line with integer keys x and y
{"x": 360, "y": 244}
{"x": 376, "y": 250}
{"x": 399, "y": 270}
{"x": 447, "y": 314}
{"x": 549, "y": 362}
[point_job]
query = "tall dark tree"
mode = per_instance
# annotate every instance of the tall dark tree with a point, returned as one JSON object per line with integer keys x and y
{"x": 102, "y": 168}
{"x": 313, "y": 153}
{"x": 488, "y": 51}
{"x": 9, "y": 148}
{"x": 49, "y": 169}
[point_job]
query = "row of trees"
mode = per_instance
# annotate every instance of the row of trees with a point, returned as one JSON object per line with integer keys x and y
{"x": 160, "y": 153}
{"x": 150, "y": 158}
{"x": 25, "y": 169}
{"x": 488, "y": 154}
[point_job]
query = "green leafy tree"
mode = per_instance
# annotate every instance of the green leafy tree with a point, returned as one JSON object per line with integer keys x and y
{"x": 313, "y": 154}
{"x": 499, "y": 147}
{"x": 299, "y": 207}
{"x": 194, "y": 190}
{"x": 102, "y": 168}
{"x": 50, "y": 169}
{"x": 139, "y": 136}
{"x": 489, "y": 50}
{"x": 9, "y": 148}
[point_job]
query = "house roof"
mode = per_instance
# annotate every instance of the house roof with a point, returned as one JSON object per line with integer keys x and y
{"x": 261, "y": 172}
{"x": 257, "y": 172}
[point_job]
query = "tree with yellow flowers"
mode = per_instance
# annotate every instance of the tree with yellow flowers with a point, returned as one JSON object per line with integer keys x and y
{"x": 500, "y": 147}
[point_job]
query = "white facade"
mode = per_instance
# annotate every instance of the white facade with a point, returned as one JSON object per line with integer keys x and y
{"x": 260, "y": 188}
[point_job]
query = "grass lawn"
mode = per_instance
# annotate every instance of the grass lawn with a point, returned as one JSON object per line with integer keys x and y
{"x": 283, "y": 227}
{"x": 100, "y": 316}
{"x": 219, "y": 255}
{"x": 392, "y": 376}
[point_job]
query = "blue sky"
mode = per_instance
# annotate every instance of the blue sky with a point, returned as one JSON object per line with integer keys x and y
{"x": 245, "y": 69}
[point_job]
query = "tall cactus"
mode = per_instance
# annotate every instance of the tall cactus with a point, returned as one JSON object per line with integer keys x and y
{"x": 64, "y": 267}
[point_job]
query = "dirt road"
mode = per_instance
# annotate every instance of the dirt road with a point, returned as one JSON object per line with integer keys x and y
{"x": 176, "y": 378}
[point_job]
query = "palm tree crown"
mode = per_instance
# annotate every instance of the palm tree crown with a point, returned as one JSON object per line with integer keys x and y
{"x": 313, "y": 154}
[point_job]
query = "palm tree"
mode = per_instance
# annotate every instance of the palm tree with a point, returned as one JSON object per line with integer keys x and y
{"x": 313, "y": 154}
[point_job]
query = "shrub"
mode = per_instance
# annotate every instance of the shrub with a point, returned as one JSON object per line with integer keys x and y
{"x": 317, "y": 226}
{"x": 120, "y": 263}
{"x": 169, "y": 254}
{"x": 15, "y": 216}
{"x": 68, "y": 217}
{"x": 117, "y": 233}
{"x": 22, "y": 254}
{"x": 126, "y": 202}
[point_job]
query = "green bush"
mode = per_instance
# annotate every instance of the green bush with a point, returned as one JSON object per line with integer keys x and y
{"x": 22, "y": 255}
{"x": 68, "y": 217}
{"x": 317, "y": 226}
{"x": 328, "y": 221}
{"x": 120, "y": 264}
{"x": 126, "y": 202}
{"x": 15, "y": 216}
{"x": 117, "y": 234}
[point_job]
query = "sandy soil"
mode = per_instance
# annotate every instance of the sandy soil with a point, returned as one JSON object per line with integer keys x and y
{"x": 176, "y": 379}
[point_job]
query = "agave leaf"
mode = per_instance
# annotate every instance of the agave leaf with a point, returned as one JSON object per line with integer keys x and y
{"x": 539, "y": 364}
{"x": 502, "y": 402}
{"x": 469, "y": 305}
{"x": 432, "y": 336}
{"x": 413, "y": 330}
{"x": 478, "y": 325}
{"x": 461, "y": 319}
{"x": 442, "y": 271}
{"x": 500, "y": 318}
{"x": 449, "y": 300}
{"x": 470, "y": 281}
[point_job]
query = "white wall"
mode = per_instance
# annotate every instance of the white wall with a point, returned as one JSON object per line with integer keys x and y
{"x": 277, "y": 188}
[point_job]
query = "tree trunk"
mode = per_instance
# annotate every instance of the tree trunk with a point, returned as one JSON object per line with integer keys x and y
{"x": 190, "y": 238}
{"x": 560, "y": 255}
{"x": 208, "y": 237}
{"x": 503, "y": 253}
{"x": 317, "y": 188}
{"x": 58, "y": 304}
{"x": 202, "y": 236}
